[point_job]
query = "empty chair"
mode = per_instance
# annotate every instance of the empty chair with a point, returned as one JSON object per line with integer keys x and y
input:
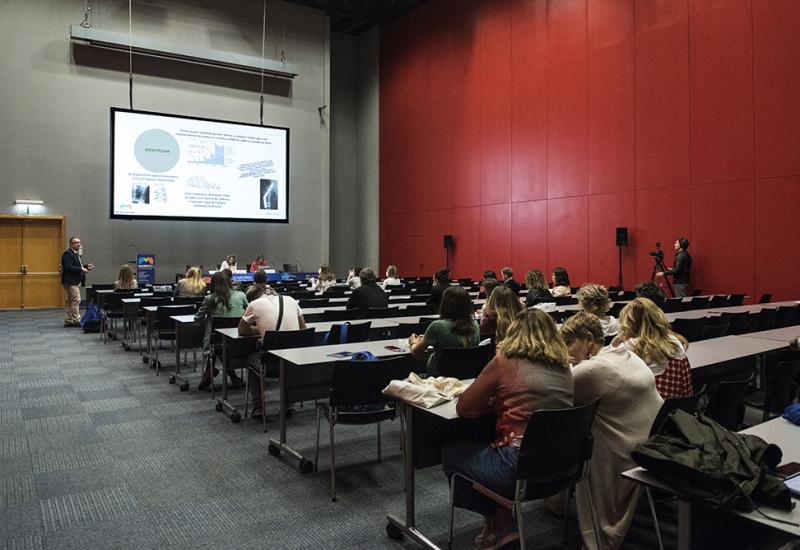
{"x": 726, "y": 402}
{"x": 766, "y": 319}
{"x": 112, "y": 310}
{"x": 356, "y": 397}
{"x": 340, "y": 315}
{"x": 165, "y": 327}
{"x": 417, "y": 309}
{"x": 313, "y": 302}
{"x": 736, "y": 299}
{"x": 382, "y": 312}
{"x": 672, "y": 305}
{"x": 698, "y": 302}
{"x": 784, "y": 316}
{"x": 780, "y": 387}
{"x": 765, "y": 298}
{"x": 464, "y": 363}
{"x": 737, "y": 322}
{"x": 715, "y": 327}
{"x": 627, "y": 295}
{"x": 565, "y": 300}
{"x": 697, "y": 292}
{"x": 691, "y": 329}
{"x": 400, "y": 291}
{"x": 688, "y": 404}
{"x": 348, "y": 332}
{"x": 544, "y": 470}
{"x": 718, "y": 300}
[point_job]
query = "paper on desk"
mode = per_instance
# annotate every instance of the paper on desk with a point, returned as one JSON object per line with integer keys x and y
{"x": 427, "y": 392}
{"x": 546, "y": 306}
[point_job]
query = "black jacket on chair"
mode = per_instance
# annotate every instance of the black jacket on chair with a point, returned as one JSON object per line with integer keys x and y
{"x": 367, "y": 296}
{"x": 71, "y": 268}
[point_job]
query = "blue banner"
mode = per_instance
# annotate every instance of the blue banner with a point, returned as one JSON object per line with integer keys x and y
{"x": 146, "y": 269}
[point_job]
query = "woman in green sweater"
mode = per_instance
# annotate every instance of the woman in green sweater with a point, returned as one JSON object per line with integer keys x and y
{"x": 222, "y": 302}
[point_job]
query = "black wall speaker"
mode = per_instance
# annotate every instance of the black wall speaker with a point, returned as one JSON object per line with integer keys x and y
{"x": 449, "y": 242}
{"x": 622, "y": 236}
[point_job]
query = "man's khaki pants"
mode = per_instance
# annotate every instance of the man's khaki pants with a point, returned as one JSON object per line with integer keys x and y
{"x": 73, "y": 300}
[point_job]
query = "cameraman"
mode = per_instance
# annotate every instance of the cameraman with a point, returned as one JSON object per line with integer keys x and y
{"x": 680, "y": 271}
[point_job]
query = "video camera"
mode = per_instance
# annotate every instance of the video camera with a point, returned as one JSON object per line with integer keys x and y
{"x": 657, "y": 253}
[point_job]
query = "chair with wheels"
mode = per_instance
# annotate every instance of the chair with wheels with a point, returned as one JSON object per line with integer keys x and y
{"x": 269, "y": 366}
{"x": 356, "y": 397}
{"x": 545, "y": 470}
{"x": 691, "y": 329}
{"x": 464, "y": 363}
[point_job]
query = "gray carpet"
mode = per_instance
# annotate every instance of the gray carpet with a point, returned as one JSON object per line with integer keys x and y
{"x": 96, "y": 451}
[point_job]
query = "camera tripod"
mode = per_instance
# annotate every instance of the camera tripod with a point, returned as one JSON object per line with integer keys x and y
{"x": 659, "y": 266}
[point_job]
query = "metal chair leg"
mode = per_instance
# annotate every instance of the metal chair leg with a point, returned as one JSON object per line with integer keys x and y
{"x": 247, "y": 393}
{"x": 452, "y": 510}
{"x": 333, "y": 456}
{"x": 379, "y": 441}
{"x": 595, "y": 521}
{"x": 261, "y": 380}
{"x": 652, "y": 505}
{"x": 316, "y": 447}
{"x": 565, "y": 498}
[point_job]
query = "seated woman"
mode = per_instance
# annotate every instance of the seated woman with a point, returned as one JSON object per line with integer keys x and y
{"x": 392, "y": 279}
{"x": 258, "y": 263}
{"x": 530, "y": 371}
{"x": 228, "y": 263}
{"x": 560, "y": 283}
{"x": 191, "y": 286}
{"x": 487, "y": 287}
{"x": 126, "y": 278}
{"x": 502, "y": 307}
{"x": 645, "y": 331}
{"x": 353, "y": 280}
{"x": 441, "y": 282}
{"x": 537, "y": 288}
{"x": 594, "y": 299}
{"x": 456, "y": 328}
{"x": 222, "y": 302}
{"x": 629, "y": 403}
{"x": 326, "y": 279}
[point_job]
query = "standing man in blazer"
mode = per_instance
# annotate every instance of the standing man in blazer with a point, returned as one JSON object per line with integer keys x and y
{"x": 72, "y": 274}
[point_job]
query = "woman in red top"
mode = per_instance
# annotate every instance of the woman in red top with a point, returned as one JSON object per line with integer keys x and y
{"x": 530, "y": 371}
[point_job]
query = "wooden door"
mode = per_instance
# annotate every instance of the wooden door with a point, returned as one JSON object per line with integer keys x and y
{"x": 30, "y": 261}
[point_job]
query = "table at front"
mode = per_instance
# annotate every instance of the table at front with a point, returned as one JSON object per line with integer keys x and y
{"x": 784, "y": 334}
{"x": 728, "y": 348}
{"x": 187, "y": 331}
{"x": 778, "y": 431}
{"x": 305, "y": 374}
{"x": 234, "y": 346}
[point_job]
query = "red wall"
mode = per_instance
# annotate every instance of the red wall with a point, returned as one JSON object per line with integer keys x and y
{"x": 529, "y": 130}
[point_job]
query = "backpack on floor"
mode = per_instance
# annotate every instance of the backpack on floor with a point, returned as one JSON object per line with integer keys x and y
{"x": 91, "y": 319}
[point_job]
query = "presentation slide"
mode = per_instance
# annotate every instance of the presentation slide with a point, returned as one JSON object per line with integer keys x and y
{"x": 166, "y": 166}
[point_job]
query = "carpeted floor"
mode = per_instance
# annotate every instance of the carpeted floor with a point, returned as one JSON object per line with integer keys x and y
{"x": 96, "y": 451}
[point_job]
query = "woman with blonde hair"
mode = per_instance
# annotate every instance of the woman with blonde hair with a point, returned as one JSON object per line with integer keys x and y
{"x": 126, "y": 278}
{"x": 629, "y": 402}
{"x": 644, "y": 330}
{"x": 530, "y": 372}
{"x": 537, "y": 288}
{"x": 392, "y": 278}
{"x": 192, "y": 285}
{"x": 502, "y": 307}
{"x": 594, "y": 299}
{"x": 326, "y": 279}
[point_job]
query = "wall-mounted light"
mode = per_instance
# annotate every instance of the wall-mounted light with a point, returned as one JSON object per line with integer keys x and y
{"x": 28, "y": 203}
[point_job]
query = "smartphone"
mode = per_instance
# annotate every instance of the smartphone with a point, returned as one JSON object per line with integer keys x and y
{"x": 394, "y": 349}
{"x": 788, "y": 470}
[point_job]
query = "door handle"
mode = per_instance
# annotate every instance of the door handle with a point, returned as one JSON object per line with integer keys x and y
{"x": 23, "y": 269}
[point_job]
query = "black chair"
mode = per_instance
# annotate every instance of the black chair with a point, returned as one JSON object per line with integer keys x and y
{"x": 356, "y": 397}
{"x": 464, "y": 363}
{"x": 400, "y": 291}
{"x": 545, "y": 470}
{"x": 697, "y": 292}
{"x": 415, "y": 309}
{"x": 688, "y": 404}
{"x": 716, "y": 327}
{"x": 313, "y": 302}
{"x": 726, "y": 402}
{"x": 140, "y": 313}
{"x": 766, "y": 319}
{"x": 616, "y": 307}
{"x": 340, "y": 315}
{"x": 765, "y": 298}
{"x": 404, "y": 330}
{"x": 698, "y": 302}
{"x": 673, "y": 305}
{"x": 356, "y": 332}
{"x": 188, "y": 300}
{"x": 780, "y": 387}
{"x": 691, "y": 329}
{"x": 215, "y": 344}
{"x": 565, "y": 301}
{"x": 718, "y": 300}
{"x": 165, "y": 328}
{"x": 736, "y": 300}
{"x": 269, "y": 366}
{"x": 112, "y": 310}
{"x": 737, "y": 322}
{"x": 627, "y": 295}
{"x": 381, "y": 313}
{"x": 784, "y": 316}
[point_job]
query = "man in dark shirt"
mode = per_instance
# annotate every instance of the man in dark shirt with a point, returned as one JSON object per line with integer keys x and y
{"x": 369, "y": 294}
{"x": 441, "y": 281}
{"x": 72, "y": 273}
{"x": 508, "y": 280}
{"x": 681, "y": 269}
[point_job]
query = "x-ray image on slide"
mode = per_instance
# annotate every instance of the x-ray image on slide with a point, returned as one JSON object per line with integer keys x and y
{"x": 269, "y": 194}
{"x": 140, "y": 194}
